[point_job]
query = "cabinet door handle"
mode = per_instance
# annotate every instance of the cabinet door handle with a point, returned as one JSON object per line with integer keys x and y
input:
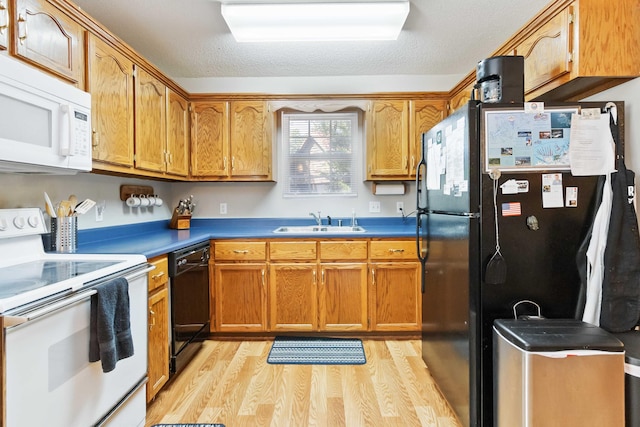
{"x": 373, "y": 276}
{"x": 95, "y": 141}
{"x": 262, "y": 278}
{"x": 396, "y": 251}
{"x": 323, "y": 281}
{"x": 4, "y": 17}
{"x": 153, "y": 318}
{"x": 22, "y": 28}
{"x": 315, "y": 278}
{"x": 224, "y": 163}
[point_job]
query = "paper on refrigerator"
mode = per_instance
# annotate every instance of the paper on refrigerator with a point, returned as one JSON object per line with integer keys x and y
{"x": 592, "y": 150}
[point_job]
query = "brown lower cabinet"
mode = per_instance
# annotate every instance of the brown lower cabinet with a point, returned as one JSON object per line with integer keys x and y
{"x": 158, "y": 324}
{"x": 334, "y": 285}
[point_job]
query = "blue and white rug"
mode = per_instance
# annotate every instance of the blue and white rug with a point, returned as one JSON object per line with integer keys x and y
{"x": 188, "y": 425}
{"x": 317, "y": 351}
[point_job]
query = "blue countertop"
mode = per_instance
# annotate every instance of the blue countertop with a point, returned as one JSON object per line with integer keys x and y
{"x": 156, "y": 238}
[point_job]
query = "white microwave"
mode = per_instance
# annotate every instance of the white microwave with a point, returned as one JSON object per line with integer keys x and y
{"x": 45, "y": 124}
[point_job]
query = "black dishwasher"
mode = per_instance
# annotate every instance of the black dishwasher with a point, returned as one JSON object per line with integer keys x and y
{"x": 189, "y": 304}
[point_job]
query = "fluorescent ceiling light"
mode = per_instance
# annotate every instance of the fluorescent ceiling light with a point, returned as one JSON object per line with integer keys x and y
{"x": 316, "y": 21}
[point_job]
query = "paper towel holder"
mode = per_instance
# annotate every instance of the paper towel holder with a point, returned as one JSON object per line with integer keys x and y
{"x": 388, "y": 188}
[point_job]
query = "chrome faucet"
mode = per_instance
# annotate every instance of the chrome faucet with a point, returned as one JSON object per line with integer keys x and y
{"x": 318, "y": 218}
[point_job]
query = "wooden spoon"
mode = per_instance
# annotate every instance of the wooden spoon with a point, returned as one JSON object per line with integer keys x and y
{"x": 73, "y": 200}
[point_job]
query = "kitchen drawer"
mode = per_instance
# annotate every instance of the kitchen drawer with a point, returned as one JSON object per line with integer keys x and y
{"x": 240, "y": 251}
{"x": 160, "y": 275}
{"x": 394, "y": 249}
{"x": 343, "y": 250}
{"x": 291, "y": 251}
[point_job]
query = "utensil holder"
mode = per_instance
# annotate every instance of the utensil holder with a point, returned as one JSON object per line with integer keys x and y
{"x": 64, "y": 234}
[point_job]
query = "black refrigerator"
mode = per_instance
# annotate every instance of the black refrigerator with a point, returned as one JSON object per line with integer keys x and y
{"x": 542, "y": 212}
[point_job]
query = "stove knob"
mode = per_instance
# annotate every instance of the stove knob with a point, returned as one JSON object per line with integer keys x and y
{"x": 34, "y": 221}
{"x": 19, "y": 222}
{"x": 3, "y": 224}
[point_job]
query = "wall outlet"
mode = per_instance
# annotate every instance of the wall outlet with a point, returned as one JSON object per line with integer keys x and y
{"x": 399, "y": 207}
{"x": 374, "y": 207}
{"x": 100, "y": 210}
{"x": 223, "y": 208}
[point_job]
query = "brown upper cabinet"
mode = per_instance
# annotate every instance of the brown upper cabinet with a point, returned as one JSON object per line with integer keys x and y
{"x": 4, "y": 24}
{"x": 210, "y": 140}
{"x": 387, "y": 127}
{"x": 231, "y": 141}
{"x": 461, "y": 94}
{"x": 45, "y": 37}
{"x": 251, "y": 140}
{"x": 423, "y": 115}
{"x": 151, "y": 122}
{"x": 162, "y": 127}
{"x": 586, "y": 46}
{"x": 394, "y": 131}
{"x": 110, "y": 82}
{"x": 177, "y": 156}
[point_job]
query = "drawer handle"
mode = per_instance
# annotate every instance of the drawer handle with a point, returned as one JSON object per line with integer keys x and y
{"x": 396, "y": 251}
{"x": 157, "y": 276}
{"x": 240, "y": 251}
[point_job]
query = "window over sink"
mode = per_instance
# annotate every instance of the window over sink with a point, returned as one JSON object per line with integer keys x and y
{"x": 319, "y": 152}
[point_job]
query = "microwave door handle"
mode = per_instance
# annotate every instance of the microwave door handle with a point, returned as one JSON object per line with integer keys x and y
{"x": 66, "y": 130}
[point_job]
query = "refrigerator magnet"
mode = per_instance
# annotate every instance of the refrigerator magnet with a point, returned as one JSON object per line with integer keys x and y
{"x": 552, "y": 190}
{"x": 571, "y": 197}
{"x": 509, "y": 187}
{"x": 511, "y": 209}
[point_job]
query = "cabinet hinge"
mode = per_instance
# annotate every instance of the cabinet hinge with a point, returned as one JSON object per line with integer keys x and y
{"x": 571, "y": 18}
{"x": 135, "y": 73}
{"x": 570, "y": 57}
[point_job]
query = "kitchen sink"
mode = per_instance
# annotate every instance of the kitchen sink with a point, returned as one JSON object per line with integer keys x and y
{"x": 320, "y": 229}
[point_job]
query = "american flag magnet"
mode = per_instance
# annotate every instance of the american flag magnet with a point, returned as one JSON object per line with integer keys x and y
{"x": 511, "y": 209}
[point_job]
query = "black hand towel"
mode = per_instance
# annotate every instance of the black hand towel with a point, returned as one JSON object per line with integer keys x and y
{"x": 110, "y": 329}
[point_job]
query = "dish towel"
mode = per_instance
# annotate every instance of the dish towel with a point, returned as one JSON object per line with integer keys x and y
{"x": 110, "y": 329}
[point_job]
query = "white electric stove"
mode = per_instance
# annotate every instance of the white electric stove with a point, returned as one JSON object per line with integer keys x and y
{"x": 45, "y": 311}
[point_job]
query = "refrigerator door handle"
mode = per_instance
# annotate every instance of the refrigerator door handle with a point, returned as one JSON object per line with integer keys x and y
{"x": 422, "y": 166}
{"x": 423, "y": 252}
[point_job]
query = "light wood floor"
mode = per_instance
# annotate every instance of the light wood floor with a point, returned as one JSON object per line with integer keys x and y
{"x": 230, "y": 382}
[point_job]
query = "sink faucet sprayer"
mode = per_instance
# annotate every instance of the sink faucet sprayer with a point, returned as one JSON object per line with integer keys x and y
{"x": 318, "y": 218}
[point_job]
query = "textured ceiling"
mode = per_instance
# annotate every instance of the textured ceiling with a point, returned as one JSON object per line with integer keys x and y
{"x": 189, "y": 39}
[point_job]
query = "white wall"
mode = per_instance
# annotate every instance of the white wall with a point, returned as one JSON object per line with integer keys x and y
{"x": 629, "y": 93}
{"x": 265, "y": 200}
{"x": 17, "y": 190}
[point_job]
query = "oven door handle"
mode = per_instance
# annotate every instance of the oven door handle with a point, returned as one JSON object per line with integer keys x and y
{"x": 9, "y": 321}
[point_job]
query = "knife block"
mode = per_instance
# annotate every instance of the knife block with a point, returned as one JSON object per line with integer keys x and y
{"x": 180, "y": 222}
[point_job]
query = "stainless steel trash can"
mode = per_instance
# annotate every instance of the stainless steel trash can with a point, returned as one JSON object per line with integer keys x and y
{"x": 557, "y": 372}
{"x": 631, "y": 341}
